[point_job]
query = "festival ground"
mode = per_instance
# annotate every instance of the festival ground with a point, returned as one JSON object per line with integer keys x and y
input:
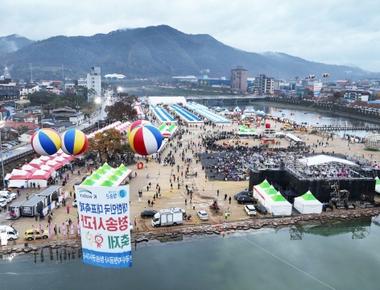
{"x": 204, "y": 190}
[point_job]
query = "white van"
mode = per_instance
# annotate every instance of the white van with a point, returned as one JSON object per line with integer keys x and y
{"x": 168, "y": 217}
{"x": 9, "y": 196}
{"x": 12, "y": 233}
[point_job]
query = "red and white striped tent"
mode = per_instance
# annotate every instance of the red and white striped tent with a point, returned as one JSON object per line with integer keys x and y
{"x": 19, "y": 178}
{"x": 36, "y": 163}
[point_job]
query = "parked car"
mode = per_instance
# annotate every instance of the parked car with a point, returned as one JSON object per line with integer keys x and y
{"x": 9, "y": 196}
{"x": 35, "y": 234}
{"x": 250, "y": 209}
{"x": 245, "y": 199}
{"x": 3, "y": 202}
{"x": 261, "y": 209}
{"x": 148, "y": 213}
{"x": 243, "y": 193}
{"x": 203, "y": 215}
{"x": 11, "y": 232}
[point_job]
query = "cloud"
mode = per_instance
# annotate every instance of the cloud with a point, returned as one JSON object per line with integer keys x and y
{"x": 331, "y": 31}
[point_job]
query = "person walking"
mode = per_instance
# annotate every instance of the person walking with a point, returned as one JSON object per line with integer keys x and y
{"x": 225, "y": 196}
{"x": 229, "y": 200}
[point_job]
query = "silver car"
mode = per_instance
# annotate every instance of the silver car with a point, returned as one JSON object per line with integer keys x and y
{"x": 203, "y": 215}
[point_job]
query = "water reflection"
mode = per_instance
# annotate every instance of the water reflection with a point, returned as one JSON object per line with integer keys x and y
{"x": 359, "y": 229}
{"x": 60, "y": 255}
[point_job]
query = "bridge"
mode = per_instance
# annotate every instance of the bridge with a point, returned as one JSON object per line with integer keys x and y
{"x": 226, "y": 100}
{"x": 346, "y": 128}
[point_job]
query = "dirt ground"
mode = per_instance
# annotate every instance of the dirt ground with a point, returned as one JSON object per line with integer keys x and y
{"x": 205, "y": 191}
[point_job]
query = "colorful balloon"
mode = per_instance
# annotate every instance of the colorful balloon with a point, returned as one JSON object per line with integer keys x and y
{"x": 138, "y": 123}
{"x": 145, "y": 140}
{"x": 74, "y": 142}
{"x": 46, "y": 141}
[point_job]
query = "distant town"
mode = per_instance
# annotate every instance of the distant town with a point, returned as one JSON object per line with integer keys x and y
{"x": 66, "y": 102}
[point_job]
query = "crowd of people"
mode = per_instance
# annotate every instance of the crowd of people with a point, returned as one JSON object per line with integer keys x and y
{"x": 222, "y": 162}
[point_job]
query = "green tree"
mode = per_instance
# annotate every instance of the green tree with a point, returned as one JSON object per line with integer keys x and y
{"x": 107, "y": 144}
{"x": 121, "y": 111}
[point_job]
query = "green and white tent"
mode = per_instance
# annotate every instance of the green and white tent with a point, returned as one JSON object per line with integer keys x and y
{"x": 107, "y": 176}
{"x": 307, "y": 203}
{"x": 377, "y": 186}
{"x": 167, "y": 130}
{"x": 246, "y": 131}
{"x": 272, "y": 199}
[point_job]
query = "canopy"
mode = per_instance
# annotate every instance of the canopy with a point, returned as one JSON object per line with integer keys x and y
{"x": 55, "y": 164}
{"x": 307, "y": 203}
{"x": 293, "y": 138}
{"x": 46, "y": 158}
{"x": 272, "y": 199}
{"x": 36, "y": 163}
{"x": 28, "y": 168}
{"x": 45, "y": 167}
{"x": 41, "y": 174}
{"x": 264, "y": 184}
{"x": 18, "y": 174}
{"x": 167, "y": 130}
{"x": 107, "y": 176}
{"x": 121, "y": 127}
{"x": 323, "y": 159}
{"x": 61, "y": 159}
{"x": 244, "y": 130}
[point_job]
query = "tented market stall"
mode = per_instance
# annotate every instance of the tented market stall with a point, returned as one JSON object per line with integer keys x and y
{"x": 246, "y": 131}
{"x": 307, "y": 203}
{"x": 108, "y": 176}
{"x": 272, "y": 199}
{"x": 167, "y": 131}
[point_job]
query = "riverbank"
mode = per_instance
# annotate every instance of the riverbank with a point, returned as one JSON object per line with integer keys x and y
{"x": 179, "y": 232}
{"x": 312, "y": 108}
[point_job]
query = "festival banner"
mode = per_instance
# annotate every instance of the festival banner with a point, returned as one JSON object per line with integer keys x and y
{"x": 104, "y": 225}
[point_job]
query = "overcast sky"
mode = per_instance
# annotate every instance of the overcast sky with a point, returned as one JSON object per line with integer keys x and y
{"x": 331, "y": 31}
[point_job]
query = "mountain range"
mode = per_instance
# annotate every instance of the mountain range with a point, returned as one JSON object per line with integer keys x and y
{"x": 154, "y": 51}
{"x": 12, "y": 43}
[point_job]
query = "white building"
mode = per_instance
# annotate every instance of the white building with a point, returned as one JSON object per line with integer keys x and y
{"x": 264, "y": 85}
{"x": 94, "y": 83}
{"x": 82, "y": 82}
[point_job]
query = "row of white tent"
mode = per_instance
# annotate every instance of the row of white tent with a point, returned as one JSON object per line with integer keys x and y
{"x": 38, "y": 171}
{"x": 122, "y": 127}
{"x": 277, "y": 205}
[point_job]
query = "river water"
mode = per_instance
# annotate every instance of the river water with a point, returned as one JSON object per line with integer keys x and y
{"x": 313, "y": 118}
{"x": 343, "y": 256}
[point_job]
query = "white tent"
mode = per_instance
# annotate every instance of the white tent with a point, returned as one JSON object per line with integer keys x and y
{"x": 307, "y": 203}
{"x": 323, "y": 159}
{"x": 377, "y": 186}
{"x": 19, "y": 178}
{"x": 39, "y": 178}
{"x": 272, "y": 199}
{"x": 29, "y": 168}
{"x": 36, "y": 163}
{"x": 45, "y": 158}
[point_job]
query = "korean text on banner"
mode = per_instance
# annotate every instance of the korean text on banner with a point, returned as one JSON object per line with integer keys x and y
{"x": 104, "y": 225}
